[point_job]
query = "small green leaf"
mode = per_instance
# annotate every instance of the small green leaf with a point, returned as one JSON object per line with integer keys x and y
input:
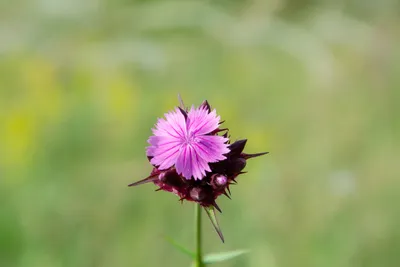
{"x": 213, "y": 218}
{"x": 223, "y": 256}
{"x": 180, "y": 247}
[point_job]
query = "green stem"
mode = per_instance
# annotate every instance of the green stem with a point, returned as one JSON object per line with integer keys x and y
{"x": 199, "y": 258}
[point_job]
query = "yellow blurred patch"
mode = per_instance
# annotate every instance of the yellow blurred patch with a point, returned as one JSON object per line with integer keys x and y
{"x": 122, "y": 97}
{"x": 18, "y": 138}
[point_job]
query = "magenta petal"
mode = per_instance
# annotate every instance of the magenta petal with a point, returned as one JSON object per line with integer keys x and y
{"x": 163, "y": 140}
{"x": 164, "y": 151}
{"x": 177, "y": 121}
{"x": 165, "y": 159}
{"x": 174, "y": 125}
{"x": 212, "y": 147}
{"x": 159, "y": 144}
{"x": 197, "y": 165}
{"x": 201, "y": 122}
{"x": 184, "y": 163}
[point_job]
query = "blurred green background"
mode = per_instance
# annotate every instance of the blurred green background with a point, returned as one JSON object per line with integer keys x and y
{"x": 316, "y": 83}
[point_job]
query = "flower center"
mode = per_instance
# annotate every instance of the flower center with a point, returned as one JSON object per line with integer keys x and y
{"x": 189, "y": 139}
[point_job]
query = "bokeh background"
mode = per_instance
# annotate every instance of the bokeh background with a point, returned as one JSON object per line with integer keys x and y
{"x": 316, "y": 83}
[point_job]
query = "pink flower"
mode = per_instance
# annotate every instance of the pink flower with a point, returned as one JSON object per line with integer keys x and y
{"x": 188, "y": 141}
{"x": 186, "y": 145}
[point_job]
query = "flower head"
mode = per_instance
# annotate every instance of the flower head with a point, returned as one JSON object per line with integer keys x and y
{"x": 191, "y": 160}
{"x": 187, "y": 140}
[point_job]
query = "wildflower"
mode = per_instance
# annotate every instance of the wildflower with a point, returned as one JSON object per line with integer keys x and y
{"x": 191, "y": 159}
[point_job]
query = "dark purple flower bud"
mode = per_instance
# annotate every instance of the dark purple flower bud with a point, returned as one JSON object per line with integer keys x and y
{"x": 237, "y": 148}
{"x": 171, "y": 178}
{"x": 198, "y": 194}
{"x": 218, "y": 181}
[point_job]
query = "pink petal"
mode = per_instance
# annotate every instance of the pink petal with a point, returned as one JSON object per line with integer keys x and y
{"x": 211, "y": 147}
{"x": 166, "y": 159}
{"x": 174, "y": 125}
{"x": 163, "y": 128}
{"x": 184, "y": 163}
{"x": 177, "y": 121}
{"x": 201, "y": 122}
{"x": 164, "y": 150}
{"x": 164, "y": 142}
{"x": 197, "y": 166}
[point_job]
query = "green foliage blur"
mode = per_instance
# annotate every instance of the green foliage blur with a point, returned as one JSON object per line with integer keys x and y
{"x": 316, "y": 83}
